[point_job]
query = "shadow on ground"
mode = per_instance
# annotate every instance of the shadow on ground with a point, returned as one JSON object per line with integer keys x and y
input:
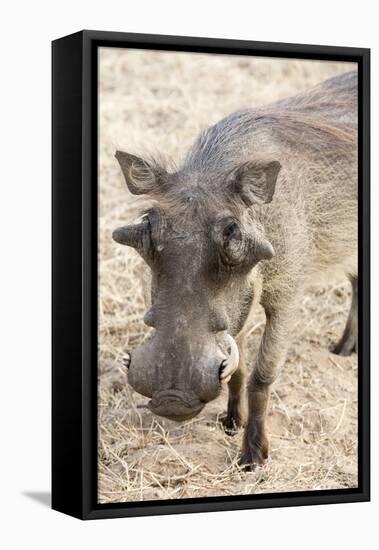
{"x": 42, "y": 497}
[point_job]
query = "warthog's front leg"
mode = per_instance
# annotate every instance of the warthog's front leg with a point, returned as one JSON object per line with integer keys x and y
{"x": 271, "y": 356}
{"x": 349, "y": 341}
{"x": 235, "y": 415}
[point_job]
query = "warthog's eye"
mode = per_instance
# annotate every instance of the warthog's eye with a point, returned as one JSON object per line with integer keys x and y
{"x": 232, "y": 231}
{"x": 156, "y": 226}
{"x": 230, "y": 239}
{"x": 150, "y": 244}
{"x": 240, "y": 248}
{"x": 145, "y": 247}
{"x": 152, "y": 223}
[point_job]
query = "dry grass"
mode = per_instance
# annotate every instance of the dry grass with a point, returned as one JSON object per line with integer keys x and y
{"x": 157, "y": 101}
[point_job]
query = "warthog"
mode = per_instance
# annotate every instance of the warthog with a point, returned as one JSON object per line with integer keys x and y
{"x": 264, "y": 201}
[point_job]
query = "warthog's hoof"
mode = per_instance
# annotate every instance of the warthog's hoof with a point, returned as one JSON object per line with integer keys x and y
{"x": 255, "y": 447}
{"x": 235, "y": 417}
{"x": 230, "y": 425}
{"x": 252, "y": 458}
{"x": 344, "y": 347}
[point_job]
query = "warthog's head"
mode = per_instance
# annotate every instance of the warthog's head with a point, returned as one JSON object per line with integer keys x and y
{"x": 200, "y": 243}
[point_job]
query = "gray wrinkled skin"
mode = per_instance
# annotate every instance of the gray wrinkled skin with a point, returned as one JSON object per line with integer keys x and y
{"x": 264, "y": 201}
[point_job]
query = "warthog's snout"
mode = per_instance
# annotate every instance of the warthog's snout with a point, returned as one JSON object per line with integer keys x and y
{"x": 180, "y": 384}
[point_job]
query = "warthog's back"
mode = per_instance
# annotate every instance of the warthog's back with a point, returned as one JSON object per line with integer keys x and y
{"x": 325, "y": 115}
{"x": 334, "y": 100}
{"x": 312, "y": 219}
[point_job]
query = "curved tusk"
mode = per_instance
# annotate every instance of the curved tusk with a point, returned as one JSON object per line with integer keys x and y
{"x": 126, "y": 360}
{"x": 232, "y": 362}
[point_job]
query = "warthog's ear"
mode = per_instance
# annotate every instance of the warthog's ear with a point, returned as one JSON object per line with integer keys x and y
{"x": 255, "y": 181}
{"x": 141, "y": 178}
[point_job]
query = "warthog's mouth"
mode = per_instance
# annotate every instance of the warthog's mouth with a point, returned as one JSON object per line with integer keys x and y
{"x": 178, "y": 417}
{"x": 173, "y": 405}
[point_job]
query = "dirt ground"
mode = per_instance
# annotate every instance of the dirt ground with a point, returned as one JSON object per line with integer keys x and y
{"x": 157, "y": 102}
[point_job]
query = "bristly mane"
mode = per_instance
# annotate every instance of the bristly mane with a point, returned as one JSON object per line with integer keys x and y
{"x": 319, "y": 120}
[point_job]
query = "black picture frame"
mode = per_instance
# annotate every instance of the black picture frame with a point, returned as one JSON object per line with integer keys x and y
{"x": 74, "y": 272}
